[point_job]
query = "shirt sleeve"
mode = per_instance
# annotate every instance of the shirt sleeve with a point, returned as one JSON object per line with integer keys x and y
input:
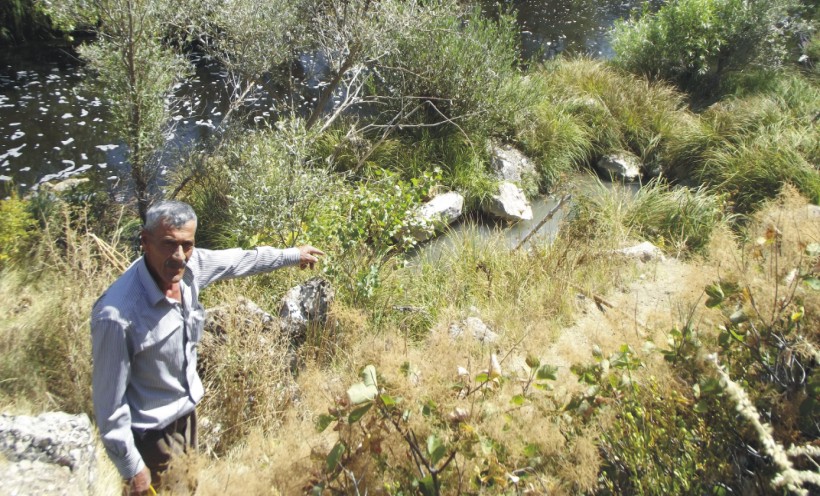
{"x": 216, "y": 265}
{"x": 110, "y": 377}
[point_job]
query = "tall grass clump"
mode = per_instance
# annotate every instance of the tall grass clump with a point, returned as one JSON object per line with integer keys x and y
{"x": 678, "y": 220}
{"x": 753, "y": 172}
{"x": 616, "y": 111}
{"x": 695, "y": 43}
{"x": 45, "y": 338}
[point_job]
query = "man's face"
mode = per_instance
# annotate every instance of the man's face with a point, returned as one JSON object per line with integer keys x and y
{"x": 167, "y": 251}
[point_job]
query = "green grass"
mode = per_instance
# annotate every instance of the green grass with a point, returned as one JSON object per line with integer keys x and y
{"x": 678, "y": 220}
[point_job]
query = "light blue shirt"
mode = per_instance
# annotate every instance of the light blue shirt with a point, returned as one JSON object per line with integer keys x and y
{"x": 145, "y": 346}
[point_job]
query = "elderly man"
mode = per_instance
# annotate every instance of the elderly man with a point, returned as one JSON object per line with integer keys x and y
{"x": 145, "y": 330}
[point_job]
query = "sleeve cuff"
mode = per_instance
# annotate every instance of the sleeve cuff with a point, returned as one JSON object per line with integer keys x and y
{"x": 291, "y": 256}
{"x": 130, "y": 465}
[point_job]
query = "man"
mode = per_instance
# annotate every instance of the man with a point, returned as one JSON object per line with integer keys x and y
{"x": 145, "y": 330}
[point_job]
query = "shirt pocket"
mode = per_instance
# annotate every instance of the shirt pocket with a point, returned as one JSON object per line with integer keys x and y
{"x": 197, "y": 323}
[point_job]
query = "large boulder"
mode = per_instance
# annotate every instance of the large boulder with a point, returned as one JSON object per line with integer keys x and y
{"x": 509, "y": 204}
{"x": 442, "y": 210}
{"x": 305, "y": 306}
{"x": 52, "y": 453}
{"x": 622, "y": 166}
{"x": 509, "y": 164}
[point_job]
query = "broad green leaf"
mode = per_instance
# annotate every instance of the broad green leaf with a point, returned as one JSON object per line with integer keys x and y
{"x": 701, "y": 407}
{"x": 482, "y": 377}
{"x": 427, "y": 487}
{"x": 518, "y": 400}
{"x": 334, "y": 456}
{"x": 358, "y": 413}
{"x": 435, "y": 449}
{"x": 533, "y": 362}
{"x": 388, "y": 400}
{"x": 547, "y": 372}
{"x": 812, "y": 282}
{"x": 324, "y": 421}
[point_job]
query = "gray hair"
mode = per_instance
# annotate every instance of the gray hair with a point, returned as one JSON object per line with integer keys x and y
{"x": 171, "y": 212}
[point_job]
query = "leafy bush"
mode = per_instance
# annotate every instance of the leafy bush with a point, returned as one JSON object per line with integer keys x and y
{"x": 693, "y": 43}
{"x": 453, "y": 67}
{"x": 274, "y": 187}
{"x": 17, "y": 229}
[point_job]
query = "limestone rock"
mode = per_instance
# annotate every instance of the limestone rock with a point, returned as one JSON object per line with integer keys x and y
{"x": 475, "y": 328}
{"x": 644, "y": 252}
{"x": 52, "y": 453}
{"x": 444, "y": 209}
{"x": 622, "y": 166}
{"x": 509, "y": 204}
{"x": 509, "y": 164}
{"x": 305, "y": 306}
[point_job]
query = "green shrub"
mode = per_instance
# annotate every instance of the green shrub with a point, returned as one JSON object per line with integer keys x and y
{"x": 458, "y": 64}
{"x": 693, "y": 43}
{"x": 269, "y": 188}
{"x": 17, "y": 229}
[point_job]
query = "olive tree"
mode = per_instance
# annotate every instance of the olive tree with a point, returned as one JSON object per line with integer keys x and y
{"x": 136, "y": 72}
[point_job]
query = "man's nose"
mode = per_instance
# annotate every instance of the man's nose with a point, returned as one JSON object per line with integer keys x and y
{"x": 179, "y": 253}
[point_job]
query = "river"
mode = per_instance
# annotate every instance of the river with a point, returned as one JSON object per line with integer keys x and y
{"x": 51, "y": 127}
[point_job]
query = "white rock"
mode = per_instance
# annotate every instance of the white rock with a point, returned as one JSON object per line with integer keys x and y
{"x": 443, "y": 209}
{"x": 621, "y": 166}
{"x": 644, "y": 252}
{"x": 509, "y": 204}
{"x": 509, "y": 164}
{"x": 475, "y": 328}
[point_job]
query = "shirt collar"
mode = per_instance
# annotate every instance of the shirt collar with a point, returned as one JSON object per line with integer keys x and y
{"x": 152, "y": 291}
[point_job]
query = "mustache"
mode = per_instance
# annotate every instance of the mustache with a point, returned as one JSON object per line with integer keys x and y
{"x": 171, "y": 264}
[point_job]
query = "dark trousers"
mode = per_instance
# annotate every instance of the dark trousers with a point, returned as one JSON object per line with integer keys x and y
{"x": 158, "y": 447}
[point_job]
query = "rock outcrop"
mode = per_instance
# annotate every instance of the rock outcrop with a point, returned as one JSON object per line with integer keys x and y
{"x": 51, "y": 454}
{"x": 305, "y": 306}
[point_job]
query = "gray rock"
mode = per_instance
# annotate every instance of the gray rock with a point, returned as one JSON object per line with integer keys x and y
{"x": 623, "y": 166}
{"x": 53, "y": 453}
{"x": 244, "y": 313}
{"x": 444, "y": 209}
{"x": 644, "y": 252}
{"x": 65, "y": 185}
{"x": 509, "y": 164}
{"x": 305, "y": 306}
{"x": 475, "y": 328}
{"x": 509, "y": 204}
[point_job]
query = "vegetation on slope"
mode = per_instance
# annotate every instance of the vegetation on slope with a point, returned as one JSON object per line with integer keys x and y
{"x": 651, "y": 415}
